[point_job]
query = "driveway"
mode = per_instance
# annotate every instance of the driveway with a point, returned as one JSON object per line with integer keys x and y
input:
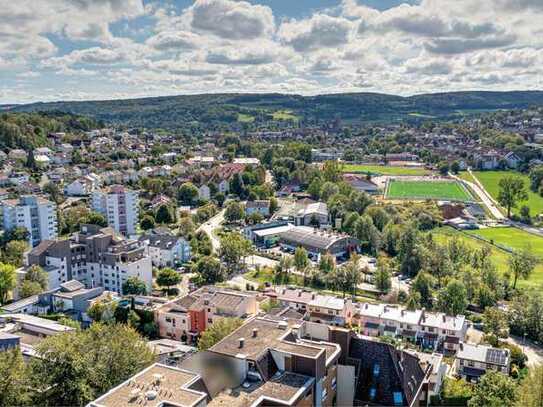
{"x": 484, "y": 196}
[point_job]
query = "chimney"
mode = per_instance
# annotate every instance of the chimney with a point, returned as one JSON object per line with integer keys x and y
{"x": 241, "y": 342}
{"x": 403, "y": 313}
{"x": 461, "y": 345}
{"x": 444, "y": 318}
{"x": 255, "y": 332}
{"x": 300, "y": 293}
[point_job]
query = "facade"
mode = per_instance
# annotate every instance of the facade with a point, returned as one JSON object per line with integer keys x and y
{"x": 262, "y": 207}
{"x": 82, "y": 186}
{"x": 431, "y": 329}
{"x": 120, "y": 207}
{"x": 37, "y": 215}
{"x": 361, "y": 183}
{"x": 473, "y": 361}
{"x": 166, "y": 250}
{"x": 97, "y": 257}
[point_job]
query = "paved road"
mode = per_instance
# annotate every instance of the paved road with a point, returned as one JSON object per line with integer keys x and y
{"x": 210, "y": 226}
{"x": 484, "y": 196}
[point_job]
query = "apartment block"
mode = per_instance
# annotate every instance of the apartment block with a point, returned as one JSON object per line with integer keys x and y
{"x": 95, "y": 256}
{"x": 120, "y": 207}
{"x": 36, "y": 214}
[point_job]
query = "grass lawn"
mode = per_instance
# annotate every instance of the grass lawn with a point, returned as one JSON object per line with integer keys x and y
{"x": 491, "y": 179}
{"x": 499, "y": 257}
{"x": 384, "y": 170}
{"x": 398, "y": 189}
{"x": 245, "y": 118}
{"x": 284, "y": 115}
{"x": 512, "y": 238}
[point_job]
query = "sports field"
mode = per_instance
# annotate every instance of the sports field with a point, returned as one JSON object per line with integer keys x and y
{"x": 418, "y": 189}
{"x": 499, "y": 257}
{"x": 384, "y": 170}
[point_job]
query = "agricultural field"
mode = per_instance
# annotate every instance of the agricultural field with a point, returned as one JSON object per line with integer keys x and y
{"x": 384, "y": 170}
{"x": 419, "y": 189}
{"x": 284, "y": 115}
{"x": 491, "y": 179}
{"x": 245, "y": 118}
{"x": 499, "y": 257}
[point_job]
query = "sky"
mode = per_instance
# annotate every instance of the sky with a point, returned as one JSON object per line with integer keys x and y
{"x": 109, "y": 49}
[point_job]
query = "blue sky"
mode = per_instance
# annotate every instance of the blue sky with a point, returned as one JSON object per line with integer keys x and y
{"x": 104, "y": 49}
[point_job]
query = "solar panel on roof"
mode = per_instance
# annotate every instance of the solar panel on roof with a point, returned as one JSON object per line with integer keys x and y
{"x": 496, "y": 356}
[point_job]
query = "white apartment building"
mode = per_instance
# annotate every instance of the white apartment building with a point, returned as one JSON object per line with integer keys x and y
{"x": 166, "y": 250}
{"x": 120, "y": 207}
{"x": 37, "y": 215}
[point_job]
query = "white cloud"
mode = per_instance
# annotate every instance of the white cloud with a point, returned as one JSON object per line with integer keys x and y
{"x": 319, "y": 31}
{"x": 235, "y": 20}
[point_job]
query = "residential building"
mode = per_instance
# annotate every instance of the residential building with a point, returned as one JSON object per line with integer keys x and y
{"x": 82, "y": 186}
{"x": 166, "y": 250}
{"x": 473, "y": 361}
{"x": 97, "y": 257}
{"x": 261, "y": 207}
{"x": 120, "y": 207}
{"x": 432, "y": 330}
{"x": 187, "y": 317}
{"x": 36, "y": 214}
{"x": 204, "y": 193}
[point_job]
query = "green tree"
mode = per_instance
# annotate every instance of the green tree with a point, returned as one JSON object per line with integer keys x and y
{"x": 54, "y": 192}
{"x": 495, "y": 324}
{"x": 134, "y": 286}
{"x": 13, "y": 379}
{"x": 383, "y": 277}
{"x": 314, "y": 188}
{"x": 327, "y": 190}
{"x": 217, "y": 331}
{"x": 301, "y": 261}
{"x": 511, "y": 191}
{"x": 186, "y": 226}
{"x": 423, "y": 284}
{"x": 147, "y": 222}
{"x": 368, "y": 235}
{"x": 274, "y": 205}
{"x": 494, "y": 390}
{"x": 165, "y": 215}
{"x": 455, "y": 167}
{"x": 14, "y": 251}
{"x": 187, "y": 194}
{"x": 7, "y": 281}
{"x": 234, "y": 247}
{"x": 453, "y": 298}
{"x": 521, "y": 264}
{"x": 29, "y": 288}
{"x": 332, "y": 171}
{"x": 31, "y": 161}
{"x": 168, "y": 277}
{"x": 234, "y": 212}
{"x": 36, "y": 274}
{"x": 443, "y": 167}
{"x": 76, "y": 367}
{"x": 210, "y": 270}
